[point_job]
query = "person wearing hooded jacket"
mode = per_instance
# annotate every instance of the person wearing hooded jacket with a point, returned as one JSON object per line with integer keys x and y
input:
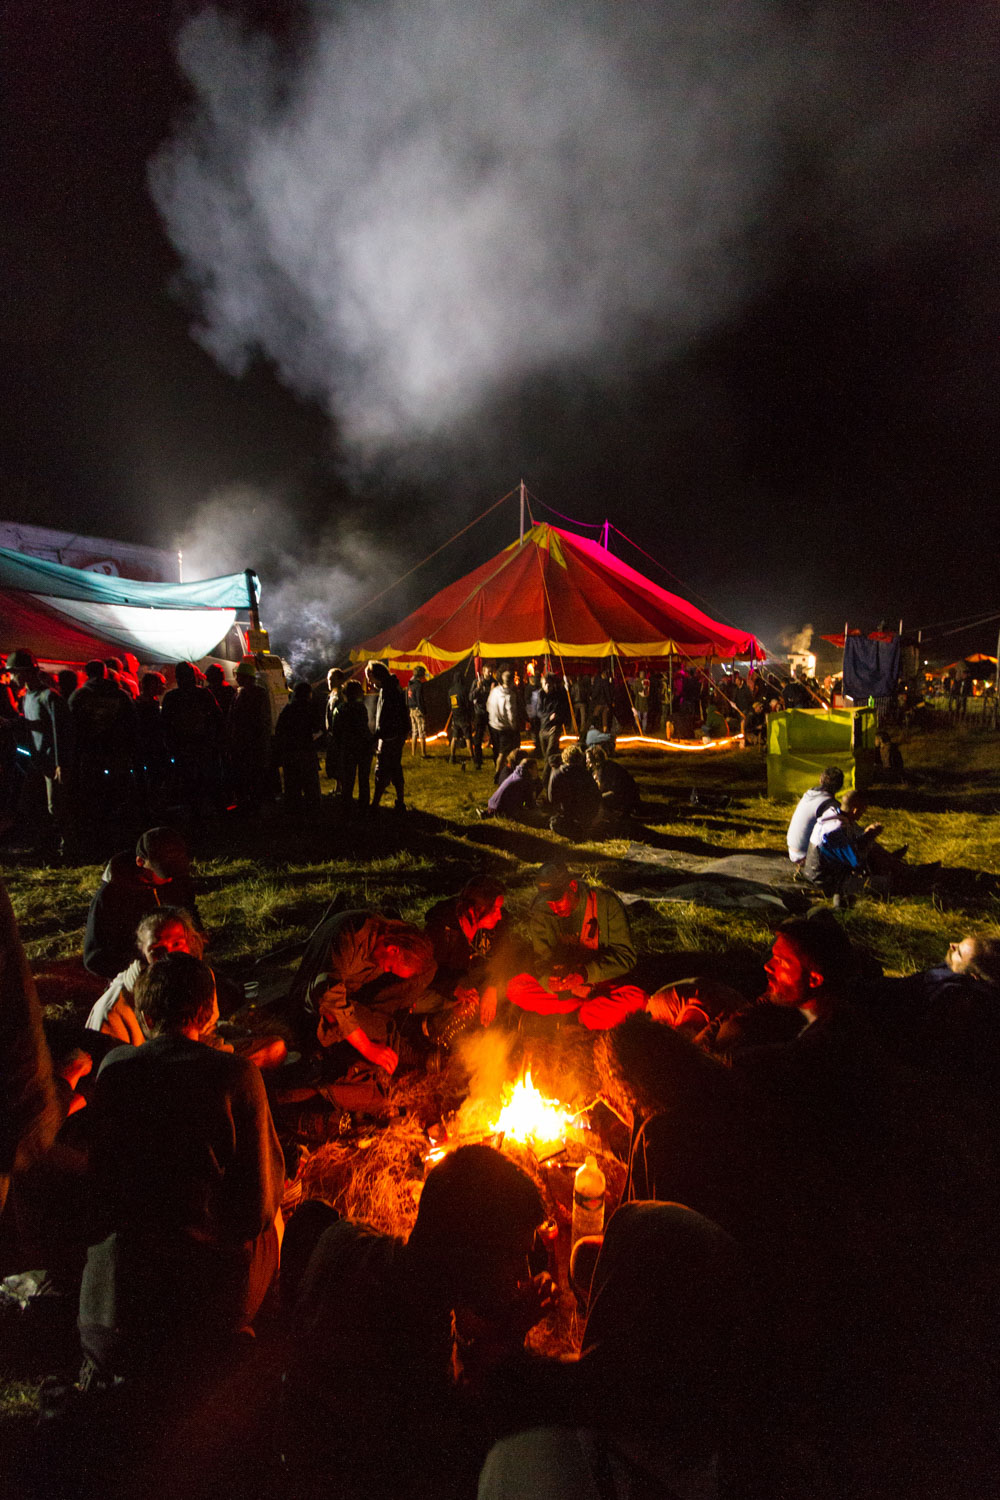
{"x": 157, "y": 874}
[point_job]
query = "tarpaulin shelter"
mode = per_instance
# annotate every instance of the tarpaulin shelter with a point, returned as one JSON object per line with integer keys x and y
{"x": 802, "y": 742}
{"x": 558, "y": 595}
{"x": 70, "y": 614}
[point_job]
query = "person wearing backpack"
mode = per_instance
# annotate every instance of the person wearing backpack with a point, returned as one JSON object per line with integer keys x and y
{"x": 817, "y": 800}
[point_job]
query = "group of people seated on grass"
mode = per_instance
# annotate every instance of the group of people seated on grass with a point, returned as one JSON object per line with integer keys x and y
{"x": 796, "y": 1294}
{"x": 580, "y": 794}
{"x": 831, "y": 849}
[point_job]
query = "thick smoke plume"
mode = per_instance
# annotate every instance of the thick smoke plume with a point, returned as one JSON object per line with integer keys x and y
{"x": 798, "y": 642}
{"x": 427, "y": 199}
{"x": 310, "y": 585}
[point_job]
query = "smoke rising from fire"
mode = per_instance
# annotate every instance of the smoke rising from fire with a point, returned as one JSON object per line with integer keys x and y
{"x": 798, "y": 642}
{"x": 421, "y": 202}
{"x": 310, "y": 584}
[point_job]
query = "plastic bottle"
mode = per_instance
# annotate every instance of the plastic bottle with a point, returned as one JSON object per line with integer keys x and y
{"x": 588, "y": 1199}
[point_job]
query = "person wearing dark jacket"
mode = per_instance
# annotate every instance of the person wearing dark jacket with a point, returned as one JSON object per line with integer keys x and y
{"x": 374, "y": 1395}
{"x": 295, "y": 735}
{"x": 583, "y": 951}
{"x": 474, "y": 946}
{"x": 574, "y": 796}
{"x": 192, "y": 728}
{"x": 619, "y": 793}
{"x": 349, "y": 745}
{"x": 250, "y": 740}
{"x": 553, "y": 715}
{"x": 187, "y": 1178}
{"x": 157, "y": 874}
{"x": 392, "y": 726}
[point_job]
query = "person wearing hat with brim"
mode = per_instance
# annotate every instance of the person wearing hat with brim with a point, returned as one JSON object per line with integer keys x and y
{"x": 48, "y": 725}
{"x": 157, "y": 874}
{"x": 583, "y": 951}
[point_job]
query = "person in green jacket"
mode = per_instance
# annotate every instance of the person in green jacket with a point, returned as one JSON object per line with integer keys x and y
{"x": 583, "y": 952}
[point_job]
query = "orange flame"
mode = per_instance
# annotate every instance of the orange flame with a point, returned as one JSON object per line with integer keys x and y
{"x": 527, "y": 1116}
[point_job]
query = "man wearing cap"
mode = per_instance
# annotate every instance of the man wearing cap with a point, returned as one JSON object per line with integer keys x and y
{"x": 583, "y": 950}
{"x": 157, "y": 874}
{"x": 49, "y": 727}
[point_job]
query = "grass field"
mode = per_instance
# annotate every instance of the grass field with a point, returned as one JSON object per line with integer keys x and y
{"x": 266, "y": 886}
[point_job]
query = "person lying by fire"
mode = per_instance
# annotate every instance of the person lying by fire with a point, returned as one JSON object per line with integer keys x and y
{"x": 391, "y": 1335}
{"x": 476, "y": 951}
{"x": 583, "y": 951}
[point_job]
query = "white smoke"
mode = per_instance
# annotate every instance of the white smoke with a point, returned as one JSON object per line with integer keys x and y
{"x": 309, "y": 584}
{"x": 797, "y": 642}
{"x": 435, "y": 196}
{"x": 427, "y": 198}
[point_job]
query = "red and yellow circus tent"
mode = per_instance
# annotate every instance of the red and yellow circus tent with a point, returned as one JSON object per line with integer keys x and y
{"x": 558, "y": 595}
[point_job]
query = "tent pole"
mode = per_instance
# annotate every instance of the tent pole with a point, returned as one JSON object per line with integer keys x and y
{"x": 522, "y": 510}
{"x": 252, "y": 598}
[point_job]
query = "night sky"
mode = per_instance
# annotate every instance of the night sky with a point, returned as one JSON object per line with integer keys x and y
{"x": 806, "y": 433}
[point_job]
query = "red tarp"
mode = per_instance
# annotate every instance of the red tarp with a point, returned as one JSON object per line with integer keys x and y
{"x": 50, "y": 636}
{"x": 555, "y": 595}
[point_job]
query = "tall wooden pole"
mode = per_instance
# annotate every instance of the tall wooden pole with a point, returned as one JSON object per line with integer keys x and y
{"x": 522, "y": 510}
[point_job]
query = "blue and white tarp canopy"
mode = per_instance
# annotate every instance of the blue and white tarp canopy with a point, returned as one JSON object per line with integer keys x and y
{"x": 159, "y": 622}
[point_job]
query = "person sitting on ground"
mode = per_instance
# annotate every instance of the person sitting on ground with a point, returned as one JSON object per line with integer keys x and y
{"x": 157, "y": 874}
{"x": 169, "y": 929}
{"x": 809, "y": 970}
{"x": 187, "y": 1178}
{"x": 390, "y": 1325}
{"x": 516, "y": 795}
{"x": 842, "y": 854}
{"x": 358, "y": 971}
{"x": 755, "y": 724}
{"x": 658, "y": 1401}
{"x": 574, "y": 796}
{"x": 473, "y": 947}
{"x": 620, "y": 799}
{"x": 818, "y": 799}
{"x": 692, "y": 1004}
{"x": 583, "y": 950}
{"x": 946, "y": 1019}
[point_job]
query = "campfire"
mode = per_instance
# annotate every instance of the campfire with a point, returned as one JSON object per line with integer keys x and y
{"x": 523, "y": 1117}
{"x": 530, "y": 1119}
